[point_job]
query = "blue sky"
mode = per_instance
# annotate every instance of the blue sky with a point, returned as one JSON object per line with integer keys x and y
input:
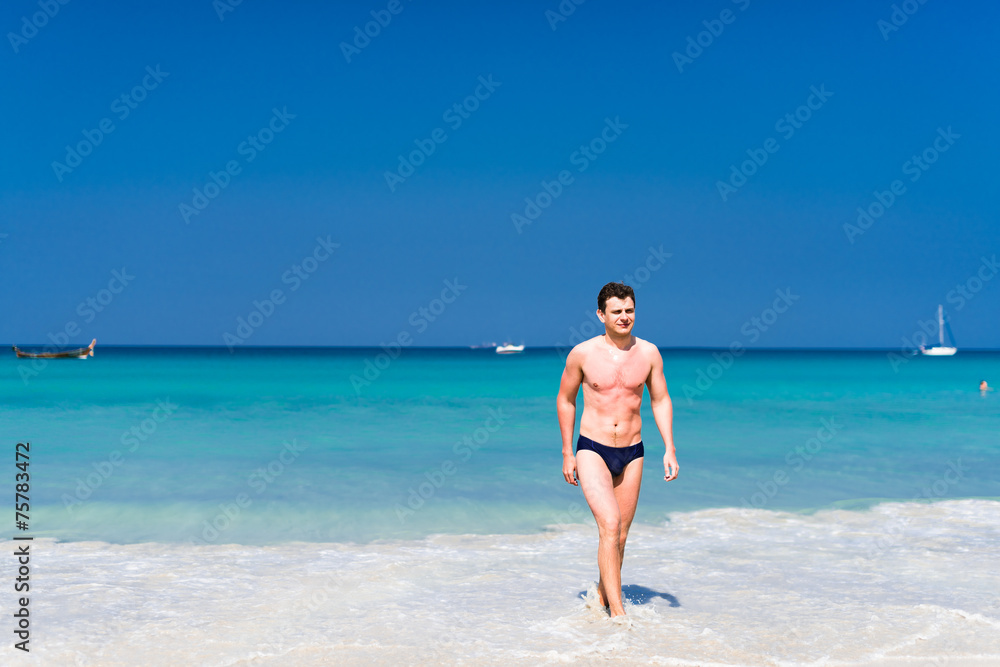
{"x": 886, "y": 95}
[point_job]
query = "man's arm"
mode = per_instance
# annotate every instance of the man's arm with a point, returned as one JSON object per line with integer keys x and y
{"x": 569, "y": 387}
{"x": 663, "y": 413}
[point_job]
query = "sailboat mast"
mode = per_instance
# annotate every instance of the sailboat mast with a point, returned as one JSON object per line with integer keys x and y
{"x": 941, "y": 325}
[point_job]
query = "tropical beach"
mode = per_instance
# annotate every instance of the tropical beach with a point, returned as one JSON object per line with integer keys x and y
{"x": 298, "y": 299}
{"x": 258, "y": 523}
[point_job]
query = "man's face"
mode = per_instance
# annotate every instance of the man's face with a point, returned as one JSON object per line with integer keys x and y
{"x": 618, "y": 316}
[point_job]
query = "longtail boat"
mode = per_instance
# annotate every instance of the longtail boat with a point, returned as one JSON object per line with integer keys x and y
{"x": 81, "y": 353}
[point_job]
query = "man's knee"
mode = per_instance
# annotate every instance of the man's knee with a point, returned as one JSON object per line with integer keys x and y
{"x": 610, "y": 526}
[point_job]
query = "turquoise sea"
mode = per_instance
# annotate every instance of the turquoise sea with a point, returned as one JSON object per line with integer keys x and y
{"x": 156, "y": 444}
{"x": 331, "y": 506}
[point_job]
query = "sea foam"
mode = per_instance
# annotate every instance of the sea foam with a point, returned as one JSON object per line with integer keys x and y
{"x": 900, "y": 583}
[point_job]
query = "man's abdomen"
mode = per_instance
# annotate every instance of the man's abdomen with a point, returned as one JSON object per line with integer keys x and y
{"x": 620, "y": 428}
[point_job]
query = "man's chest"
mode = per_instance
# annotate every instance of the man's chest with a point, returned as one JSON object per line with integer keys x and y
{"x": 607, "y": 374}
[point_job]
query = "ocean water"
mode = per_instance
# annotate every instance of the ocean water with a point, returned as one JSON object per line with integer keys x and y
{"x": 832, "y": 508}
{"x": 138, "y": 445}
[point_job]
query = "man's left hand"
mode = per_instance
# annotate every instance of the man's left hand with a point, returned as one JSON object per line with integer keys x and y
{"x": 670, "y": 467}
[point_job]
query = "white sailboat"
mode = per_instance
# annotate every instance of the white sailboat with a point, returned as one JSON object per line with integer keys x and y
{"x": 939, "y": 350}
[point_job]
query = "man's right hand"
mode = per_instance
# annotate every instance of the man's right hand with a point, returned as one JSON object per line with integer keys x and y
{"x": 569, "y": 470}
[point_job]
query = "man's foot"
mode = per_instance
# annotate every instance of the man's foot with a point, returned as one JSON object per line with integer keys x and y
{"x": 624, "y": 621}
{"x": 593, "y": 599}
{"x": 602, "y": 597}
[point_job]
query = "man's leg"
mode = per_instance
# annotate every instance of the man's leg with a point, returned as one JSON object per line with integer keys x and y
{"x": 627, "y": 494}
{"x": 598, "y": 489}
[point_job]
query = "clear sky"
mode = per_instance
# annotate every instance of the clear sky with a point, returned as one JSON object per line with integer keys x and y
{"x": 310, "y": 118}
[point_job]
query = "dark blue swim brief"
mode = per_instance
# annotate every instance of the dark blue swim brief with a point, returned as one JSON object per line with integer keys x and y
{"x": 616, "y": 458}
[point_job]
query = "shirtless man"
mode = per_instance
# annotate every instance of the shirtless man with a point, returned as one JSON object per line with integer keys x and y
{"x": 613, "y": 369}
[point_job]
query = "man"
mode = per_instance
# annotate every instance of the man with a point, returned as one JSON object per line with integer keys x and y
{"x": 613, "y": 369}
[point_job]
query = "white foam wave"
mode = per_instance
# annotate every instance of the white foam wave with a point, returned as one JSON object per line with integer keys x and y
{"x": 713, "y": 587}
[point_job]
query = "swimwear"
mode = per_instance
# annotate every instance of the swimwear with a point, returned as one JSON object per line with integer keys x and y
{"x": 616, "y": 458}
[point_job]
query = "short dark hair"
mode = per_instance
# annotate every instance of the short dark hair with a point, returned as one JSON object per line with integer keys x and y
{"x": 620, "y": 290}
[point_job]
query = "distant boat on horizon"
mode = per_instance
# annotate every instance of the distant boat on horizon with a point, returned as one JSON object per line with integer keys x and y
{"x": 940, "y": 350}
{"x": 507, "y": 348}
{"x": 80, "y": 353}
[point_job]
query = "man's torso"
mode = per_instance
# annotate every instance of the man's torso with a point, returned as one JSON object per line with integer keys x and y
{"x": 613, "y": 383}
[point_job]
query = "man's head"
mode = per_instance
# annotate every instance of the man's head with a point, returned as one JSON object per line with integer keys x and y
{"x": 616, "y": 308}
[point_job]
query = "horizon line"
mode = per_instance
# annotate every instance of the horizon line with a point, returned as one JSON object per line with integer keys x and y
{"x": 488, "y": 347}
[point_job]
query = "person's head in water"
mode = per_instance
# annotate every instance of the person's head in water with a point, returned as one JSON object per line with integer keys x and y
{"x": 983, "y": 386}
{"x": 616, "y": 308}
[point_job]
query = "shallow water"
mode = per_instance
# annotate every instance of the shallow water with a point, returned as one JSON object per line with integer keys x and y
{"x": 267, "y": 446}
{"x": 720, "y": 586}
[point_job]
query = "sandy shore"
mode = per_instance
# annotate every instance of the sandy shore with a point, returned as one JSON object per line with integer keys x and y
{"x": 714, "y": 587}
